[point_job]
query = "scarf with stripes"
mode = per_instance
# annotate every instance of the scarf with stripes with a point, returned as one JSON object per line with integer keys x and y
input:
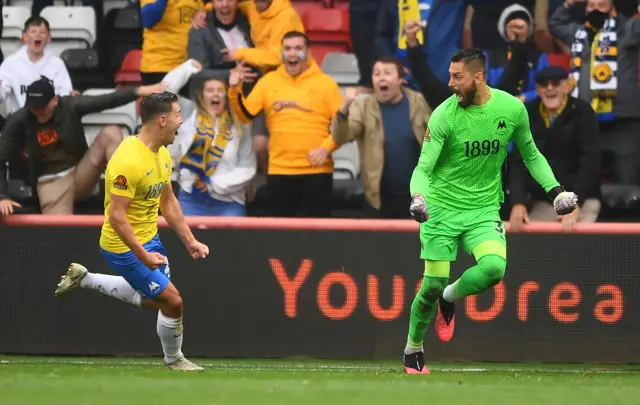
{"x": 207, "y": 147}
{"x": 603, "y": 81}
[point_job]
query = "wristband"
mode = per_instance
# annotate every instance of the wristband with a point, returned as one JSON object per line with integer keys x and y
{"x": 554, "y": 192}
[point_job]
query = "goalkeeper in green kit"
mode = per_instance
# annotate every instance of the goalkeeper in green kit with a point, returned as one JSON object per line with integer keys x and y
{"x": 456, "y": 191}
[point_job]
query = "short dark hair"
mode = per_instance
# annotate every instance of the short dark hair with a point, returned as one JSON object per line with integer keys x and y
{"x": 391, "y": 60}
{"x": 35, "y": 21}
{"x": 471, "y": 57}
{"x": 297, "y": 34}
{"x": 155, "y": 104}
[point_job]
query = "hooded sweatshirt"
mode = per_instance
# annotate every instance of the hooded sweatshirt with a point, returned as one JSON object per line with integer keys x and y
{"x": 267, "y": 30}
{"x": 298, "y": 112}
{"x": 17, "y": 72}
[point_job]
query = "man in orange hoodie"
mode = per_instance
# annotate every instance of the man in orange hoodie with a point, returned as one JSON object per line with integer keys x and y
{"x": 269, "y": 20}
{"x": 299, "y": 103}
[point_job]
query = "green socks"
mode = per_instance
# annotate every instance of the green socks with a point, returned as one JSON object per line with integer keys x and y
{"x": 422, "y": 310}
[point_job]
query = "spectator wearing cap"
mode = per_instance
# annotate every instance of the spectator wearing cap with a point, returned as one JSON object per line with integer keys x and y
{"x": 515, "y": 26}
{"x": 604, "y": 74}
{"x": 565, "y": 129}
{"x": 61, "y": 166}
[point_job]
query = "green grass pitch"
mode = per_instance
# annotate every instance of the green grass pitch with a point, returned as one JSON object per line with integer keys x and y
{"x": 118, "y": 381}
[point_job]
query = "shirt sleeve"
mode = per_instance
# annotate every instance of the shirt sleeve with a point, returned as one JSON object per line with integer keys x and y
{"x": 269, "y": 56}
{"x": 62, "y": 81}
{"x": 6, "y": 84}
{"x": 123, "y": 177}
{"x": 437, "y": 131}
{"x": 246, "y": 108}
{"x": 535, "y": 162}
{"x": 333, "y": 102}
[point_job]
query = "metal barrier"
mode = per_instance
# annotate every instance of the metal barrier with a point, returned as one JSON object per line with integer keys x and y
{"x": 327, "y": 288}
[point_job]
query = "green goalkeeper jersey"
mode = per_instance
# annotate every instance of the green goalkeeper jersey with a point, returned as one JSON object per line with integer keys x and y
{"x": 460, "y": 165}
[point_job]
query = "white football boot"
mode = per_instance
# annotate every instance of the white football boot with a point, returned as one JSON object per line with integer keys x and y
{"x": 183, "y": 365}
{"x": 71, "y": 279}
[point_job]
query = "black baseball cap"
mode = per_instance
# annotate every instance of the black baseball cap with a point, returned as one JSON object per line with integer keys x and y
{"x": 551, "y": 73}
{"x": 40, "y": 93}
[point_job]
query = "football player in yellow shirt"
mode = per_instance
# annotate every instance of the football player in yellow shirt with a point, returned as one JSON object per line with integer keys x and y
{"x": 138, "y": 183}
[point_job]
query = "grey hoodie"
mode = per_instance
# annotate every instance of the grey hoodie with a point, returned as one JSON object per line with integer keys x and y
{"x": 627, "y": 101}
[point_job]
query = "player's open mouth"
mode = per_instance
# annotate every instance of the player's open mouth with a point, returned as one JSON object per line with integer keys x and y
{"x": 460, "y": 97}
{"x": 37, "y": 42}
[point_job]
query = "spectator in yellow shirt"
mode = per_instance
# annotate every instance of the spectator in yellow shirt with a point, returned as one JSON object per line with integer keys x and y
{"x": 299, "y": 103}
{"x": 165, "y": 36}
{"x": 270, "y": 20}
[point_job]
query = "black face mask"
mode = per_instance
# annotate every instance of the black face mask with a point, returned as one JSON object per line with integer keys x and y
{"x": 597, "y": 18}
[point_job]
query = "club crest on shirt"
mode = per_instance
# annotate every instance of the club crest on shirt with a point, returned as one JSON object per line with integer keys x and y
{"x": 426, "y": 136}
{"x": 501, "y": 125}
{"x": 120, "y": 183}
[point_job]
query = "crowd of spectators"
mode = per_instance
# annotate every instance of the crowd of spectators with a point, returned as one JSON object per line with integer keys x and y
{"x": 259, "y": 110}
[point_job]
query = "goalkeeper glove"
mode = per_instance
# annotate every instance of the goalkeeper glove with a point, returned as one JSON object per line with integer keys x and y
{"x": 565, "y": 203}
{"x": 418, "y": 208}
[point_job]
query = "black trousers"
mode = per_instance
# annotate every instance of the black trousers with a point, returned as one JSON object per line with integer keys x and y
{"x": 363, "y": 29}
{"x": 621, "y": 141}
{"x": 391, "y": 207}
{"x": 304, "y": 195}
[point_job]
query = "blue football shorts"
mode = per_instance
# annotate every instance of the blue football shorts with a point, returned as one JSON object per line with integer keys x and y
{"x": 148, "y": 283}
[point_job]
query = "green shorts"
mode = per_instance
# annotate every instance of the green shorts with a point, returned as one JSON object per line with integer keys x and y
{"x": 440, "y": 235}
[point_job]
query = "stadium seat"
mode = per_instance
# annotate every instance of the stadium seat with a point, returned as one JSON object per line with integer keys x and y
{"x": 340, "y": 4}
{"x": 320, "y": 51}
{"x": 84, "y": 68}
{"x": 129, "y": 73}
{"x": 71, "y": 27}
{"x": 328, "y": 26}
{"x": 124, "y": 116}
{"x": 13, "y": 20}
{"x": 343, "y": 67}
{"x": 128, "y": 19}
{"x": 346, "y": 162}
{"x": 305, "y": 8}
{"x": 120, "y": 33}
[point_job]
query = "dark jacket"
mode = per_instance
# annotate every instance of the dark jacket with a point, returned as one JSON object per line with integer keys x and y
{"x": 206, "y": 45}
{"x": 20, "y": 131}
{"x": 627, "y": 101}
{"x": 572, "y": 148}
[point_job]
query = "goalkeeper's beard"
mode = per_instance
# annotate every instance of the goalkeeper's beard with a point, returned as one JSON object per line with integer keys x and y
{"x": 468, "y": 97}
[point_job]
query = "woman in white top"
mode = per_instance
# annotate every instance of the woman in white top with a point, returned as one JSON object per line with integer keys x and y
{"x": 214, "y": 156}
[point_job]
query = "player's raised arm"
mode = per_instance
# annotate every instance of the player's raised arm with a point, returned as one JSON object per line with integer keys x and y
{"x": 538, "y": 167}
{"x": 172, "y": 213}
{"x": 434, "y": 137}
